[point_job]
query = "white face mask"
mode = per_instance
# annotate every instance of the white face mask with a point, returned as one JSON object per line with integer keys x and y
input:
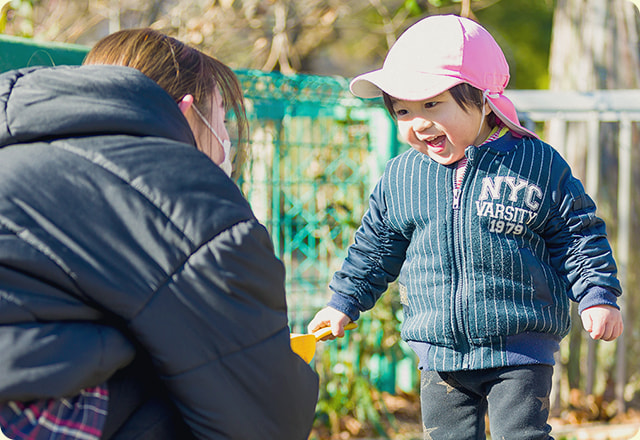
{"x": 226, "y": 145}
{"x": 226, "y": 165}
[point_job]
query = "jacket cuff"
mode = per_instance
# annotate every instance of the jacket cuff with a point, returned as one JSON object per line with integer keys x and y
{"x": 345, "y": 304}
{"x": 597, "y": 296}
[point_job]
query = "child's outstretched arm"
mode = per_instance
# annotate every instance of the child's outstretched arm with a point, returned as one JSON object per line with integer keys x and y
{"x": 329, "y": 317}
{"x": 602, "y": 322}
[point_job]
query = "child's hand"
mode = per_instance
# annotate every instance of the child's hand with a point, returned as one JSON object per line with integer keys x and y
{"x": 329, "y": 317}
{"x": 602, "y": 322}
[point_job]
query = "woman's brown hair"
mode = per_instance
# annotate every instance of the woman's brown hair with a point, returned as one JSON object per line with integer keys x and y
{"x": 179, "y": 69}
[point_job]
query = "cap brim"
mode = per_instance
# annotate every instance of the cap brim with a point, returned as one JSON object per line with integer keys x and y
{"x": 409, "y": 86}
{"x": 506, "y": 112}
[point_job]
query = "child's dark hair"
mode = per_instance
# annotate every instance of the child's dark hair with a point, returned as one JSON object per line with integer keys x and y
{"x": 465, "y": 95}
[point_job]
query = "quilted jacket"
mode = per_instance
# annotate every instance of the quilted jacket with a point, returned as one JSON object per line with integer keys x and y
{"x": 117, "y": 235}
{"x": 486, "y": 271}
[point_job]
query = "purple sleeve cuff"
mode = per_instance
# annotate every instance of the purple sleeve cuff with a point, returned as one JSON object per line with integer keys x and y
{"x": 345, "y": 304}
{"x": 597, "y": 296}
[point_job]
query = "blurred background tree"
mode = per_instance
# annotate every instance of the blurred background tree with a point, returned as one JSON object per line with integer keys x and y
{"x": 325, "y": 37}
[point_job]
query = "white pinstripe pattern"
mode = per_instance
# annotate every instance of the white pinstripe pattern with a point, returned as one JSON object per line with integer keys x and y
{"x": 497, "y": 283}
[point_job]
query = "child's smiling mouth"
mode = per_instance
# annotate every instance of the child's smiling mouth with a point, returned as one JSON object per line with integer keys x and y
{"x": 436, "y": 143}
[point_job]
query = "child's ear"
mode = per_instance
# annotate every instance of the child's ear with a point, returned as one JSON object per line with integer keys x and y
{"x": 487, "y": 108}
{"x": 185, "y": 103}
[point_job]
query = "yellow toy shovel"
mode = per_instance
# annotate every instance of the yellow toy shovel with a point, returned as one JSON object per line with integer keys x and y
{"x": 304, "y": 345}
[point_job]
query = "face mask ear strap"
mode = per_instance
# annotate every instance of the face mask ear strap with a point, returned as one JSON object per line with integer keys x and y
{"x": 207, "y": 124}
{"x": 226, "y": 144}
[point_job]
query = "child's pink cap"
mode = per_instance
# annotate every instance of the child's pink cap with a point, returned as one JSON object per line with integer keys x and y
{"x": 437, "y": 53}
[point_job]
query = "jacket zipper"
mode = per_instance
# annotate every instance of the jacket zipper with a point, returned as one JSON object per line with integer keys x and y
{"x": 460, "y": 334}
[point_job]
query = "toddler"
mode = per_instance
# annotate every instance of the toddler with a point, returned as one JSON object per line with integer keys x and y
{"x": 487, "y": 231}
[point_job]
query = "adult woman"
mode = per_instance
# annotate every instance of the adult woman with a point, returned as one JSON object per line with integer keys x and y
{"x": 132, "y": 270}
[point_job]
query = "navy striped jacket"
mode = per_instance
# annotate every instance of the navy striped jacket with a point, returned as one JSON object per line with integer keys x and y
{"x": 485, "y": 273}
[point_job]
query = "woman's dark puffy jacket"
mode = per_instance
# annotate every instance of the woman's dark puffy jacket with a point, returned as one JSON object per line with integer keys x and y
{"x": 115, "y": 231}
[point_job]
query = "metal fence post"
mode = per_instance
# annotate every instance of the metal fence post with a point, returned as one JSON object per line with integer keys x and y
{"x": 622, "y": 246}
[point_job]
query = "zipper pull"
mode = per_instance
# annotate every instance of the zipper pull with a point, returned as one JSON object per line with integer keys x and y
{"x": 456, "y": 198}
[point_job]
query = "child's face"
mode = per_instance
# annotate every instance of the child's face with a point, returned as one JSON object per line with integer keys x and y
{"x": 439, "y": 127}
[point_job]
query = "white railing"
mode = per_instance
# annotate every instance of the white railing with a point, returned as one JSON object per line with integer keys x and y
{"x": 557, "y": 109}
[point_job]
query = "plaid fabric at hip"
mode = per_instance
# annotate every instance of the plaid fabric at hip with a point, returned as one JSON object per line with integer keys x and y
{"x": 79, "y": 417}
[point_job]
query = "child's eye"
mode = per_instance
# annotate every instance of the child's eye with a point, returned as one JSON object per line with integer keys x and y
{"x": 400, "y": 112}
{"x": 430, "y": 104}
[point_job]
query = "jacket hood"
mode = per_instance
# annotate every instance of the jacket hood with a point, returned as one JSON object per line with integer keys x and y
{"x": 39, "y": 103}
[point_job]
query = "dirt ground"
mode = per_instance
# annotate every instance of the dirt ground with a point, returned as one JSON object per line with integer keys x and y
{"x": 587, "y": 418}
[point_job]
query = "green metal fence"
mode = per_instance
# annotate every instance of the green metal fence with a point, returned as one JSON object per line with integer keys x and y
{"x": 316, "y": 153}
